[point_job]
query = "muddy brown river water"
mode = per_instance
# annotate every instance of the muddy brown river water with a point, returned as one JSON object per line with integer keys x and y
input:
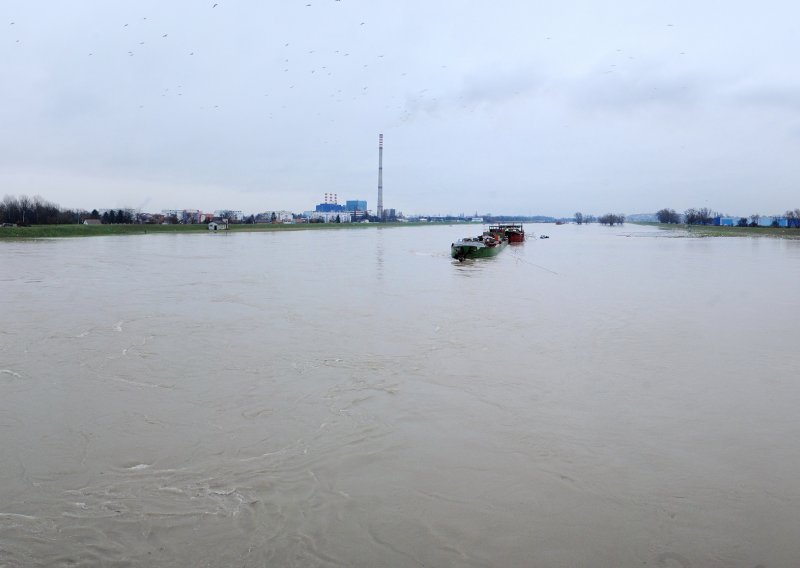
{"x": 606, "y": 397}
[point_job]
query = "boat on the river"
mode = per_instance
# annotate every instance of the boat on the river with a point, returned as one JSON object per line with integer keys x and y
{"x": 514, "y": 232}
{"x": 484, "y": 246}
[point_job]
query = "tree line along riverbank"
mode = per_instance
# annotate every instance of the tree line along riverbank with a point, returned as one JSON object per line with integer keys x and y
{"x": 74, "y": 230}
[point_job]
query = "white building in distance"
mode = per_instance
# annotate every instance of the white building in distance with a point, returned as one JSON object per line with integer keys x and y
{"x": 329, "y": 216}
{"x": 280, "y": 216}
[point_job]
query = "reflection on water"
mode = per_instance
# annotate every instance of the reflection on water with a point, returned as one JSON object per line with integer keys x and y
{"x": 379, "y": 252}
{"x": 356, "y": 398}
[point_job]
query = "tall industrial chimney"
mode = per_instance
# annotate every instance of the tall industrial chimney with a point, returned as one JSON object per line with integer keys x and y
{"x": 380, "y": 176}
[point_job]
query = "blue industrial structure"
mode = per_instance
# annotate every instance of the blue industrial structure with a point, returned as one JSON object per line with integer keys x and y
{"x": 765, "y": 221}
{"x": 355, "y": 205}
{"x": 331, "y": 204}
{"x": 329, "y": 207}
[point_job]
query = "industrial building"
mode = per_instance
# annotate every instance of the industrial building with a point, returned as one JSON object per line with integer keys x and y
{"x": 355, "y": 205}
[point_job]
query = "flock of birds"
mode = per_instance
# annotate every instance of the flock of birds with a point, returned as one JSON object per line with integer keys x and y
{"x": 303, "y": 68}
{"x": 291, "y": 65}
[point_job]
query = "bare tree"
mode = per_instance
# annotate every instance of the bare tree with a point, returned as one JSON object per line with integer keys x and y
{"x": 668, "y": 216}
{"x": 705, "y": 216}
{"x": 611, "y": 219}
{"x": 25, "y": 205}
{"x": 228, "y": 214}
{"x": 702, "y": 216}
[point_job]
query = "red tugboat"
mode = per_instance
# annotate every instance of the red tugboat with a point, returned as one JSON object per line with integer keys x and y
{"x": 511, "y": 231}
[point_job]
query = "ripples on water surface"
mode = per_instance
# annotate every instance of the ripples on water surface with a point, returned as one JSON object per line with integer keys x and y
{"x": 606, "y": 397}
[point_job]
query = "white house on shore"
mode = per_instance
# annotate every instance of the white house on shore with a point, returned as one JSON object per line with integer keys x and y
{"x": 218, "y": 226}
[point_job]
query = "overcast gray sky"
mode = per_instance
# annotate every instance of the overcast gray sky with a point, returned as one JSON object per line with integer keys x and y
{"x": 505, "y": 106}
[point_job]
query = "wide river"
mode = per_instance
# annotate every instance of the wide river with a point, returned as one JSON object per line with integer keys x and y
{"x": 607, "y": 397}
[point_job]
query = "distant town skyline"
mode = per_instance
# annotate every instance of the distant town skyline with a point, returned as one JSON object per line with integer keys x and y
{"x": 508, "y": 107}
{"x": 358, "y": 210}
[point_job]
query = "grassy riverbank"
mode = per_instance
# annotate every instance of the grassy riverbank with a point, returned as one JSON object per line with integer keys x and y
{"x": 712, "y": 231}
{"x": 55, "y": 231}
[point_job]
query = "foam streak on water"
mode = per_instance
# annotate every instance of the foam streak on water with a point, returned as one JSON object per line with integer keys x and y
{"x": 605, "y": 397}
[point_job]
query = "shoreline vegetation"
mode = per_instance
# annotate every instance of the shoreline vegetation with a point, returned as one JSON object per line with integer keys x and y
{"x": 75, "y": 230}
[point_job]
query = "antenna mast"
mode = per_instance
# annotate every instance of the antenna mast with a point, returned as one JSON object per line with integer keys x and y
{"x": 380, "y": 176}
